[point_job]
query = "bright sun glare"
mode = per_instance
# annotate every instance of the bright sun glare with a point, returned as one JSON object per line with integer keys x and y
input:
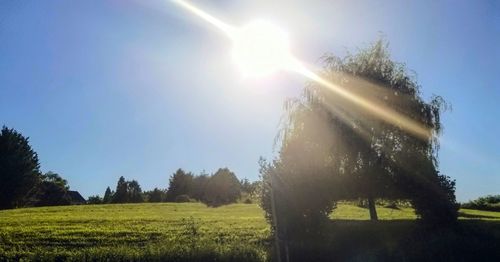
{"x": 260, "y": 48}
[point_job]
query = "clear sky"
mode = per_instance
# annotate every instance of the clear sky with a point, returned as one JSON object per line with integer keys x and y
{"x": 141, "y": 88}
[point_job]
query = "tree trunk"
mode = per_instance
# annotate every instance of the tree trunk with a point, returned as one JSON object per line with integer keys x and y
{"x": 372, "y": 208}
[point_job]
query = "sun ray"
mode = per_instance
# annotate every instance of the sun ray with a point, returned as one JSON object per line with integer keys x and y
{"x": 380, "y": 111}
{"x": 227, "y": 29}
{"x": 294, "y": 64}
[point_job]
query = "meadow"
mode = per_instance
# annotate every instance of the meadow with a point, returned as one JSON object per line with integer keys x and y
{"x": 194, "y": 232}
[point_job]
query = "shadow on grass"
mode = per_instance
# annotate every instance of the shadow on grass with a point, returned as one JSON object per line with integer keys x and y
{"x": 401, "y": 240}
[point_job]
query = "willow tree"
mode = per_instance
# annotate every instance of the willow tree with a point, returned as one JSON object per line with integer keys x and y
{"x": 333, "y": 148}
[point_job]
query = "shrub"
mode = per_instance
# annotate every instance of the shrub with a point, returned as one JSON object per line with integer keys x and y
{"x": 182, "y": 198}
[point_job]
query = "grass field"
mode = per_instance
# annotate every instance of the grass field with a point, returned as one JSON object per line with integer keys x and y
{"x": 191, "y": 231}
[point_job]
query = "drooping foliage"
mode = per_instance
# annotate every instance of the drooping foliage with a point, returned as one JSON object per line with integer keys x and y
{"x": 335, "y": 148}
{"x": 19, "y": 168}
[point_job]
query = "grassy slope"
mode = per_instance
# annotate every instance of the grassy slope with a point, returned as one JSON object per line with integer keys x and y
{"x": 187, "y": 231}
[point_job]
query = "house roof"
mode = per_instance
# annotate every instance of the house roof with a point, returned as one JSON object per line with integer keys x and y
{"x": 76, "y": 197}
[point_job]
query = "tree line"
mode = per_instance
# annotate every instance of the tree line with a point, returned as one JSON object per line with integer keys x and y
{"x": 22, "y": 184}
{"x": 219, "y": 188}
{"x": 488, "y": 203}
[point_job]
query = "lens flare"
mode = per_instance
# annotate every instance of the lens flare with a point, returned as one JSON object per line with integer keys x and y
{"x": 261, "y": 48}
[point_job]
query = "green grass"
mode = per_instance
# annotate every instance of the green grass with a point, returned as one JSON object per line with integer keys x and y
{"x": 132, "y": 231}
{"x": 191, "y": 231}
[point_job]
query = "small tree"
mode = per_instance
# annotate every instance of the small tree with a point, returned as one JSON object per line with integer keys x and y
{"x": 19, "y": 168}
{"x": 108, "y": 196}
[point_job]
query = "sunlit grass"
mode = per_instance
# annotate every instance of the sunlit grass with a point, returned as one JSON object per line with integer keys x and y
{"x": 158, "y": 231}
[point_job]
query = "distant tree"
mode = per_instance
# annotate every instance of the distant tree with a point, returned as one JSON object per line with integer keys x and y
{"x": 134, "y": 192}
{"x": 56, "y": 179}
{"x": 108, "y": 196}
{"x": 246, "y": 186}
{"x": 121, "y": 193}
{"x": 155, "y": 195}
{"x": 94, "y": 200}
{"x": 180, "y": 184}
{"x": 19, "y": 168}
{"x": 199, "y": 186}
{"x": 489, "y": 203}
{"x": 223, "y": 188}
{"x": 52, "y": 191}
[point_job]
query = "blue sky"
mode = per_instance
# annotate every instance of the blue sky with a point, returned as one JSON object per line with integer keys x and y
{"x": 141, "y": 88}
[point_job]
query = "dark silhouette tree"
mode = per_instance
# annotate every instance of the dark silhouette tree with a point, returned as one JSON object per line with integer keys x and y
{"x": 94, "y": 200}
{"x": 180, "y": 184}
{"x": 121, "y": 194}
{"x": 51, "y": 191}
{"x": 19, "y": 168}
{"x": 134, "y": 192}
{"x": 108, "y": 196}
{"x": 385, "y": 159}
{"x": 199, "y": 187}
{"x": 333, "y": 149}
{"x": 223, "y": 188}
{"x": 155, "y": 195}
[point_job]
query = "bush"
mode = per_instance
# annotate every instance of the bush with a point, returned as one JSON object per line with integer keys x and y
{"x": 94, "y": 200}
{"x": 182, "y": 198}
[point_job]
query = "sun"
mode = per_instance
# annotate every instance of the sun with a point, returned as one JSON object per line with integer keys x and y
{"x": 260, "y": 48}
